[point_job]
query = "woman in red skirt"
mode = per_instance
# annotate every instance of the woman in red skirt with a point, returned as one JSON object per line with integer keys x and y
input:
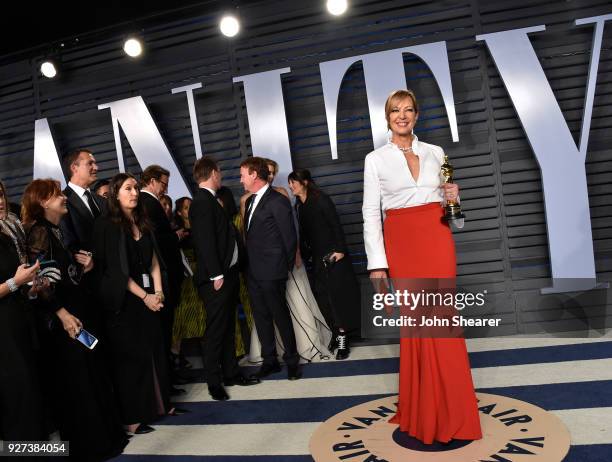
{"x": 402, "y": 179}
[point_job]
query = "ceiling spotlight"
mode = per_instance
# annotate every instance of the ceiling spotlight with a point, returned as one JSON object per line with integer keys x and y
{"x": 48, "y": 69}
{"x": 337, "y": 7}
{"x": 132, "y": 47}
{"x": 229, "y": 26}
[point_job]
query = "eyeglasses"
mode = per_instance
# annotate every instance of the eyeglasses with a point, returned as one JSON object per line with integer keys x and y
{"x": 164, "y": 183}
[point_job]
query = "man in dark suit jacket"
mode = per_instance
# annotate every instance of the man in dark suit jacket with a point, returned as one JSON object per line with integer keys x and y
{"x": 216, "y": 248}
{"x": 153, "y": 184}
{"x": 271, "y": 247}
{"x": 83, "y": 206}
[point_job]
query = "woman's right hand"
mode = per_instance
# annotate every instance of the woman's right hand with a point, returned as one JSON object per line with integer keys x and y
{"x": 379, "y": 280}
{"x": 153, "y": 302}
{"x": 26, "y": 273}
{"x": 71, "y": 323}
{"x": 85, "y": 259}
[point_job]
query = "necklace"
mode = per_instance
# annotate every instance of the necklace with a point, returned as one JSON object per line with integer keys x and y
{"x": 403, "y": 149}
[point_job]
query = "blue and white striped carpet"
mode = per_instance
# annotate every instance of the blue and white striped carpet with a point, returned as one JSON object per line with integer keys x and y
{"x": 273, "y": 421}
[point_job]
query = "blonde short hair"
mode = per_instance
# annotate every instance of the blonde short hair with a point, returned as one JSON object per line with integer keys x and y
{"x": 273, "y": 164}
{"x": 396, "y": 96}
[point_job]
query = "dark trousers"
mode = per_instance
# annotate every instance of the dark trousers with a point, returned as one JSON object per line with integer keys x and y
{"x": 270, "y": 307}
{"x": 338, "y": 295}
{"x": 220, "y": 335}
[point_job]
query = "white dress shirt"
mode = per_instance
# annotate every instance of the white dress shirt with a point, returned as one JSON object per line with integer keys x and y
{"x": 388, "y": 184}
{"x": 81, "y": 193}
{"x": 256, "y": 200}
{"x": 235, "y": 254}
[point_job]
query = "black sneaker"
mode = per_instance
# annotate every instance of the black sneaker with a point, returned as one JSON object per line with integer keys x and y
{"x": 343, "y": 347}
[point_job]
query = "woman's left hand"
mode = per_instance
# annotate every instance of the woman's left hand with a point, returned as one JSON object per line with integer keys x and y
{"x": 451, "y": 192}
{"x": 337, "y": 256}
{"x": 84, "y": 258}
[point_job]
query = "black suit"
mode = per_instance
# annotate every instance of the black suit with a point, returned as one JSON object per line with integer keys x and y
{"x": 78, "y": 224}
{"x": 214, "y": 241}
{"x": 78, "y": 229}
{"x": 166, "y": 238}
{"x": 168, "y": 244}
{"x": 271, "y": 246}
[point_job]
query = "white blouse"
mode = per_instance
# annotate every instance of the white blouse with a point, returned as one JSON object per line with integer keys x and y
{"x": 388, "y": 184}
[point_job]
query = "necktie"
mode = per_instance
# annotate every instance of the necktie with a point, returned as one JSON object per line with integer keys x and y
{"x": 95, "y": 211}
{"x": 250, "y": 201}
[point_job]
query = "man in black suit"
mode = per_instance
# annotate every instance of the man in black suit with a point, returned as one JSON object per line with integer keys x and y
{"x": 271, "y": 244}
{"x": 216, "y": 248}
{"x": 154, "y": 184}
{"x": 83, "y": 206}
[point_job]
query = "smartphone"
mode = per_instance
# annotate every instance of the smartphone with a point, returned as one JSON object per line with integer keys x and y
{"x": 47, "y": 264}
{"x": 87, "y": 339}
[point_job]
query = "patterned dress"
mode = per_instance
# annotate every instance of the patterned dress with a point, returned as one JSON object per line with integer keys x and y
{"x": 245, "y": 301}
{"x": 190, "y": 315}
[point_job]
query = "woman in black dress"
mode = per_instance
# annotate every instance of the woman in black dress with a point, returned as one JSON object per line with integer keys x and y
{"x": 322, "y": 239}
{"x": 73, "y": 374}
{"x": 21, "y": 416}
{"x": 128, "y": 269}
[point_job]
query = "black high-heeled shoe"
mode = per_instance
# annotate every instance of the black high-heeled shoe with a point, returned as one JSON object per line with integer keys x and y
{"x": 178, "y": 411}
{"x": 143, "y": 429}
{"x": 174, "y": 360}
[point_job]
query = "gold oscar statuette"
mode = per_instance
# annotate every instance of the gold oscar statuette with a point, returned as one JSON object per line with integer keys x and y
{"x": 452, "y": 208}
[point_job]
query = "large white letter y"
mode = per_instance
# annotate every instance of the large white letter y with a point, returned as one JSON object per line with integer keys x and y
{"x": 561, "y": 161}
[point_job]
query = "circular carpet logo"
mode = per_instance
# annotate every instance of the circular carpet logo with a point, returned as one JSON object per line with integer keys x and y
{"x": 513, "y": 431}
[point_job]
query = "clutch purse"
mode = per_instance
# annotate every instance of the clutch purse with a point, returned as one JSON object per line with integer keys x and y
{"x": 329, "y": 260}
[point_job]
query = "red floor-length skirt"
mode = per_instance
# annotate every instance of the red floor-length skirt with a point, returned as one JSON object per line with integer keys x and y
{"x": 436, "y": 393}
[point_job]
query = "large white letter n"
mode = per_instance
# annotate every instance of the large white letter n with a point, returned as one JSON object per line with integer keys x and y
{"x": 147, "y": 143}
{"x": 561, "y": 162}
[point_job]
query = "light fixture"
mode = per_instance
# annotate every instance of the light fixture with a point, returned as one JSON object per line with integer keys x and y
{"x": 48, "y": 69}
{"x": 229, "y": 26}
{"x": 337, "y": 7}
{"x": 132, "y": 47}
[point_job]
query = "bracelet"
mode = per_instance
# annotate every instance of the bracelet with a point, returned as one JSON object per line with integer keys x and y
{"x": 145, "y": 296}
{"x": 12, "y": 285}
{"x": 160, "y": 294}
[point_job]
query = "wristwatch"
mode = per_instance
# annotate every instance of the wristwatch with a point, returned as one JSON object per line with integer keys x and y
{"x": 12, "y": 285}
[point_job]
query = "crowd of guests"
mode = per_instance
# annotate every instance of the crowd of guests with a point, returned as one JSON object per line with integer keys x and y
{"x": 120, "y": 263}
{"x": 115, "y": 259}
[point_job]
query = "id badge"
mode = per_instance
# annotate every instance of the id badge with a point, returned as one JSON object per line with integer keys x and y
{"x": 146, "y": 281}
